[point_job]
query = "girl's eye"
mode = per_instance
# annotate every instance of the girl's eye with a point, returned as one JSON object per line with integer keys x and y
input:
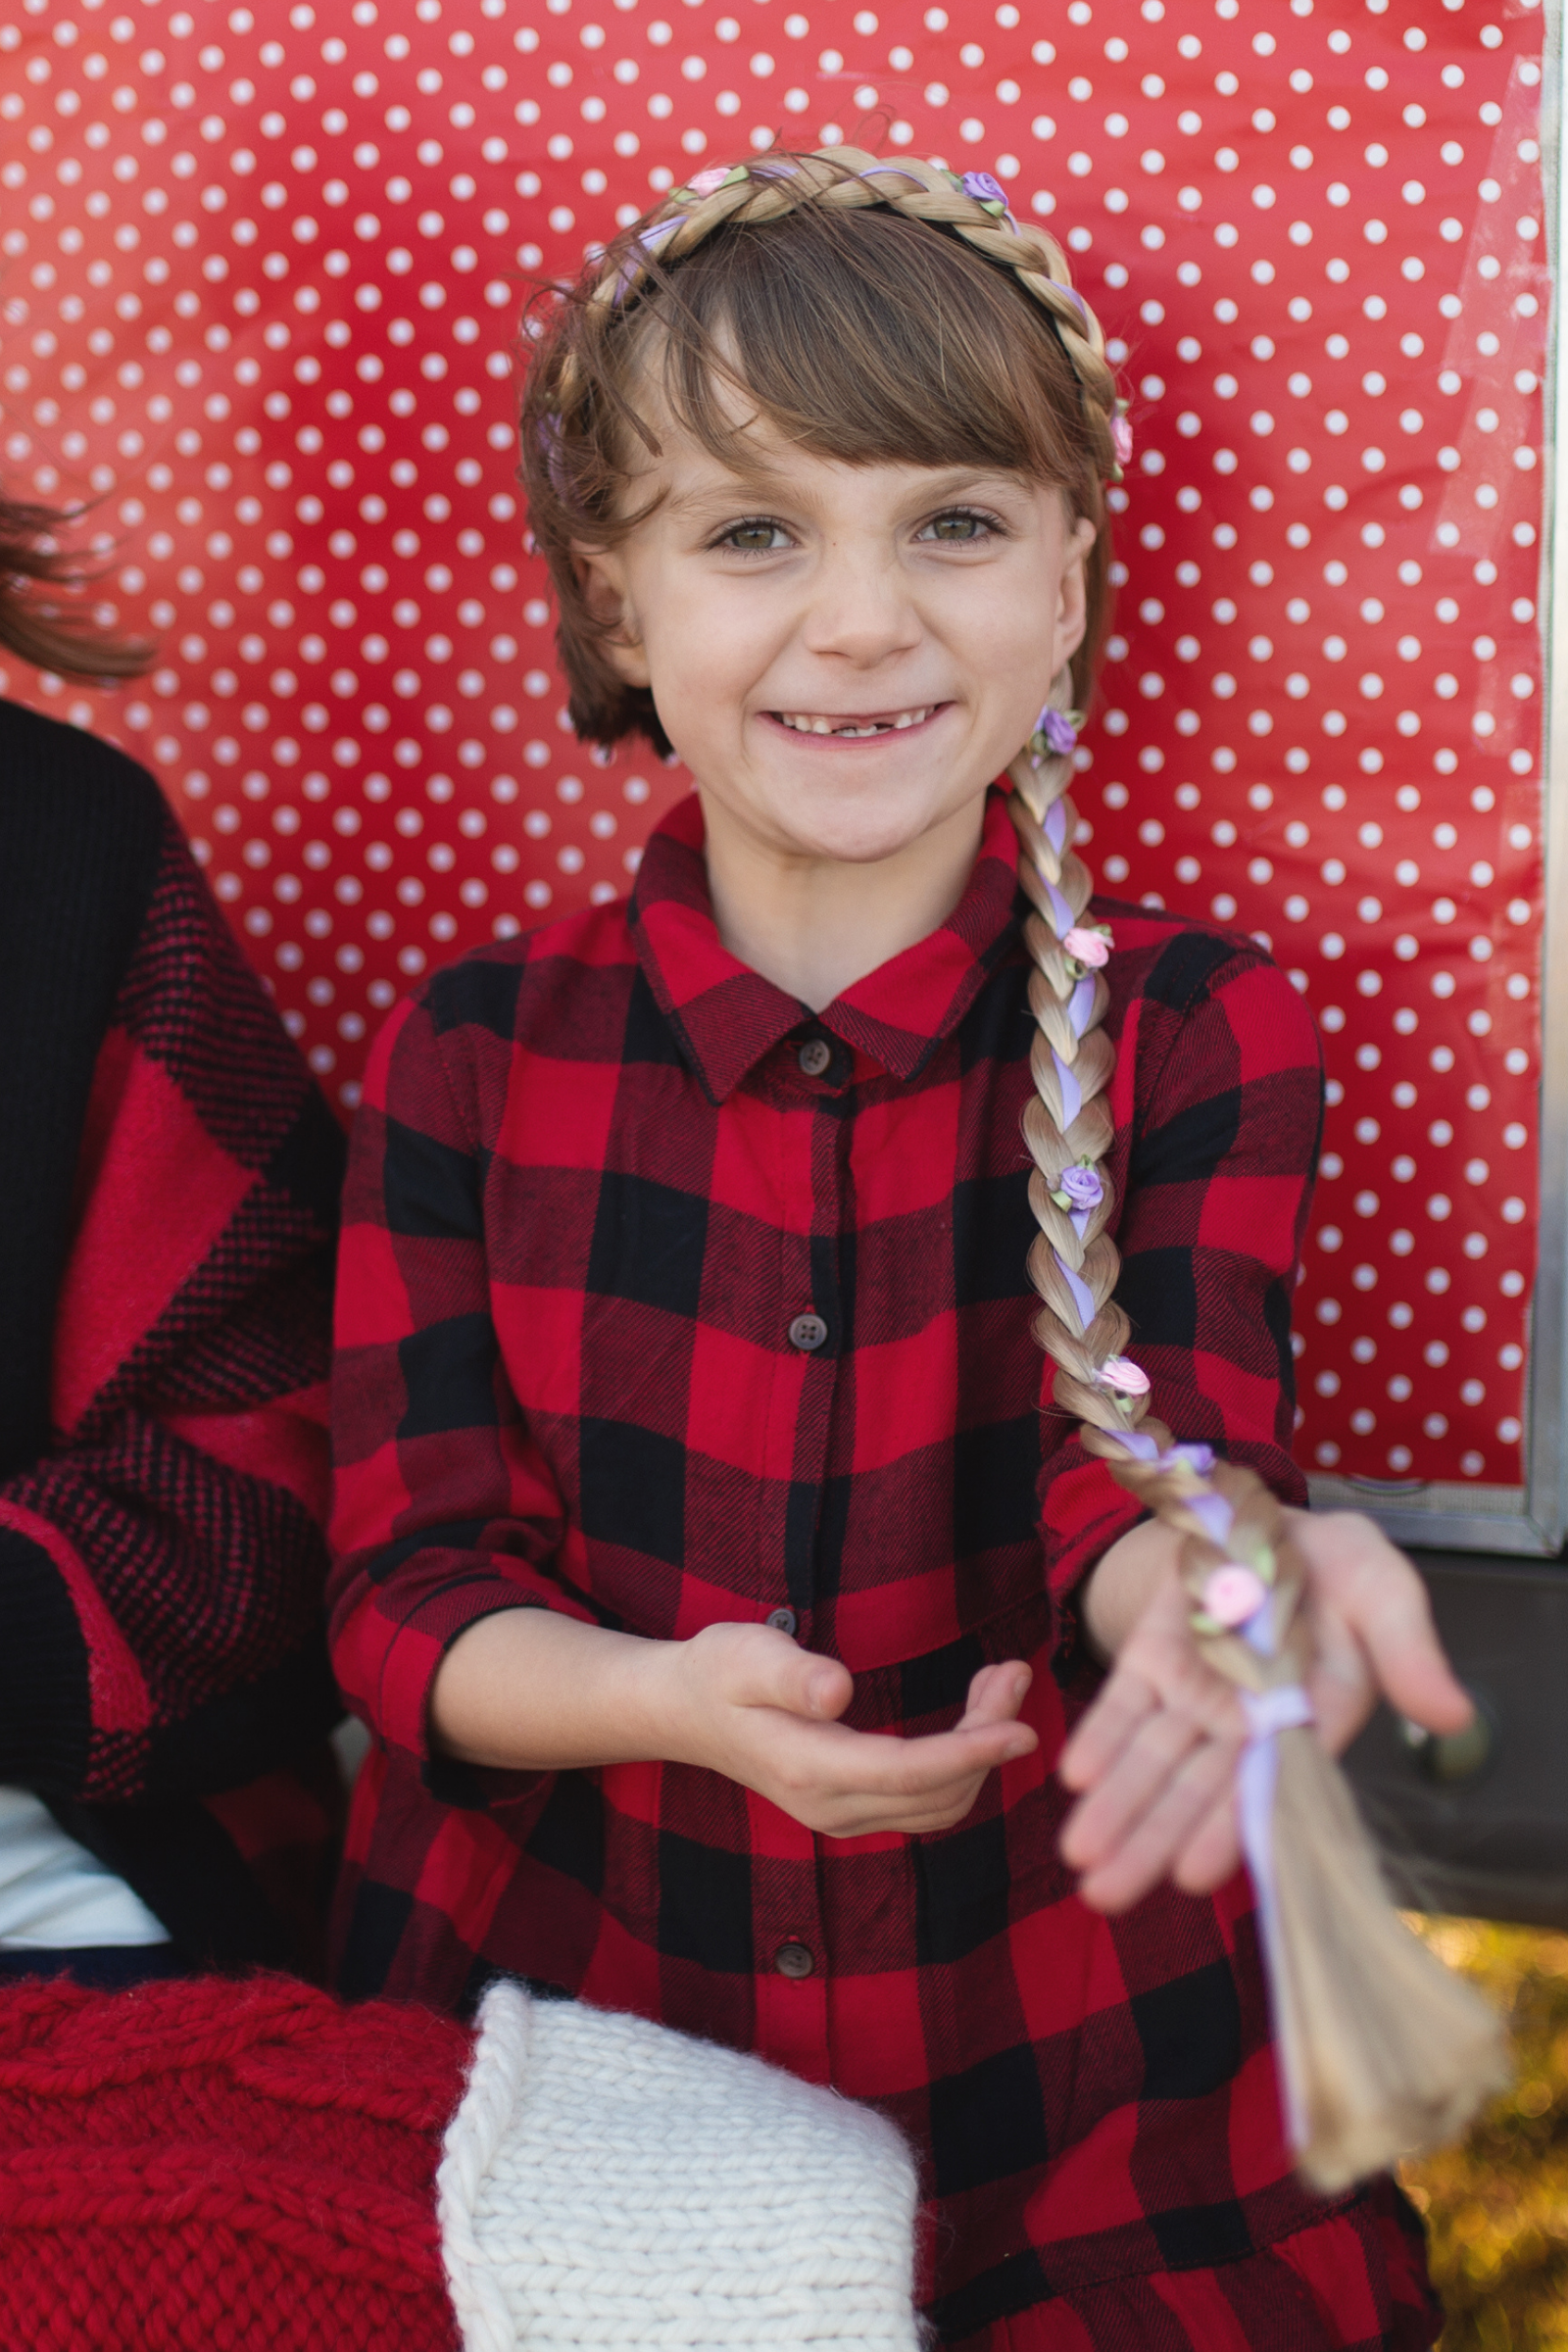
{"x": 758, "y": 537}
{"x": 961, "y": 527}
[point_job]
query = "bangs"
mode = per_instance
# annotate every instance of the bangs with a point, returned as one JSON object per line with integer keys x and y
{"x": 860, "y": 337}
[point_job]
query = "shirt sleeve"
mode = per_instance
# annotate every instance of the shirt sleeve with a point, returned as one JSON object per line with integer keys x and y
{"x": 445, "y": 1510}
{"x": 162, "y": 1567}
{"x": 1218, "y": 1171}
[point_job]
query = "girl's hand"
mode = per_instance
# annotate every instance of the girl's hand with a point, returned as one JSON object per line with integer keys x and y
{"x": 1155, "y": 1756}
{"x": 746, "y": 1702}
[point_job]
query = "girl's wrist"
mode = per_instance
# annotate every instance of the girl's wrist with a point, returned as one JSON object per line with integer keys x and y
{"x": 676, "y": 1702}
{"x": 526, "y": 1689}
{"x": 1124, "y": 1581}
{"x": 657, "y": 1710}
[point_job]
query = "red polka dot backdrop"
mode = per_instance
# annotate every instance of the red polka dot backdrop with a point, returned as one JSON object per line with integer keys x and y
{"x": 263, "y": 274}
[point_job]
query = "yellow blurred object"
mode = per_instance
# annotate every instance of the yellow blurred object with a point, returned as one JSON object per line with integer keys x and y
{"x": 1497, "y": 2205}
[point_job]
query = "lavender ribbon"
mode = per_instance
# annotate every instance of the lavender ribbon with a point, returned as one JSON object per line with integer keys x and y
{"x": 1132, "y": 1441}
{"x": 1214, "y": 1514}
{"x": 1062, "y": 914}
{"x": 1083, "y": 1296}
{"x": 1285, "y": 1708}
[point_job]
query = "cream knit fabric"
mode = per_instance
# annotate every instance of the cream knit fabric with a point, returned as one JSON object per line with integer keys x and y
{"x": 607, "y": 2181}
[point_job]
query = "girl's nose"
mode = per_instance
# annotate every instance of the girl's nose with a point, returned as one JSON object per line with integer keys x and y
{"x": 861, "y": 609}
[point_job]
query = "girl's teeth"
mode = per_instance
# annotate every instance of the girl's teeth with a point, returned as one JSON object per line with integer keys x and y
{"x": 804, "y": 725}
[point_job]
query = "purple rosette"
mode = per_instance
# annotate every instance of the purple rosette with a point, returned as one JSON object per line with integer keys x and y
{"x": 1082, "y": 1186}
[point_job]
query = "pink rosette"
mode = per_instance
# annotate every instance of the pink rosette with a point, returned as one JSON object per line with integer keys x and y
{"x": 1234, "y": 1596}
{"x": 1089, "y": 947}
{"x": 1127, "y": 1379}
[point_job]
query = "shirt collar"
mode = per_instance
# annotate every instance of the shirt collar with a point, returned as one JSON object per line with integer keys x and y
{"x": 728, "y": 1017}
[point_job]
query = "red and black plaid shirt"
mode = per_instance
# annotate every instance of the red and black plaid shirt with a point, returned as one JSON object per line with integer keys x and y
{"x": 600, "y": 1177}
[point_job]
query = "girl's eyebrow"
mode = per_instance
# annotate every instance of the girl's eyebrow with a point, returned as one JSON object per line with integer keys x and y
{"x": 765, "y": 483}
{"x": 733, "y": 489}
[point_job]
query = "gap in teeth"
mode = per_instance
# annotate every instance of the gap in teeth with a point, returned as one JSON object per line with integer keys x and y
{"x": 805, "y": 725}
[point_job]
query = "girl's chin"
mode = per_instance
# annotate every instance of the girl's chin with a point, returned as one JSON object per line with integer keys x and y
{"x": 806, "y": 825}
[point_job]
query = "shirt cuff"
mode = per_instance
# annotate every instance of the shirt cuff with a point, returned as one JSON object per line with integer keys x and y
{"x": 1085, "y": 1513}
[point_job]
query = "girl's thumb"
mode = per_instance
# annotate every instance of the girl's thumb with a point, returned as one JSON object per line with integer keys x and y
{"x": 802, "y": 1685}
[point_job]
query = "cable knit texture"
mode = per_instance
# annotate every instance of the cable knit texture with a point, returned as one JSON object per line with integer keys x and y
{"x": 608, "y": 2182}
{"x": 209, "y": 2167}
{"x": 212, "y": 2167}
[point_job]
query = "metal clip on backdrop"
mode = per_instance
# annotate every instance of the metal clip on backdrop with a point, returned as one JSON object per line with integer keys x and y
{"x": 1382, "y": 2051}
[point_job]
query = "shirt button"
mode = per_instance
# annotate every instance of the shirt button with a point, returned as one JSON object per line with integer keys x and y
{"x": 793, "y": 1959}
{"x": 815, "y": 1056}
{"x": 807, "y": 1332}
{"x": 783, "y": 1621}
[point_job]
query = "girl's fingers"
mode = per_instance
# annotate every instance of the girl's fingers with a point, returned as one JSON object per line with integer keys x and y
{"x": 1339, "y": 1680}
{"x": 881, "y": 1819}
{"x": 1104, "y": 1818}
{"x": 842, "y": 1765}
{"x": 1213, "y": 1853}
{"x": 1124, "y": 1705}
{"x": 1358, "y": 1575}
{"x": 1160, "y": 1667}
{"x": 996, "y": 1694}
{"x": 768, "y": 1669}
{"x": 1160, "y": 1838}
{"x": 1407, "y": 1657}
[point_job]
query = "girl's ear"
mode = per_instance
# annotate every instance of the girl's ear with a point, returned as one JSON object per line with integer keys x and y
{"x": 603, "y": 579}
{"x": 1072, "y": 600}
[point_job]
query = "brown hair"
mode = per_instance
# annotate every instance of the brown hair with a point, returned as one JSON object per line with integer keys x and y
{"x": 862, "y": 307}
{"x": 56, "y": 634}
{"x": 815, "y": 284}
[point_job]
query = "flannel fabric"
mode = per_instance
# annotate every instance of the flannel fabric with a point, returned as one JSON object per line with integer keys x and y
{"x": 599, "y": 1177}
{"x": 164, "y": 1683}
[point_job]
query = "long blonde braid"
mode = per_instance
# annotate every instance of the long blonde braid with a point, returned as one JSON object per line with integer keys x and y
{"x": 1381, "y": 2050}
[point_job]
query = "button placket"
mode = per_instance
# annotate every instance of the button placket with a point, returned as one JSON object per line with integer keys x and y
{"x": 813, "y": 1166}
{"x": 791, "y": 1952}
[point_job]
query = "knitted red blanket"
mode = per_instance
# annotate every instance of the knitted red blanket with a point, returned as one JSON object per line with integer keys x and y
{"x": 223, "y": 2168}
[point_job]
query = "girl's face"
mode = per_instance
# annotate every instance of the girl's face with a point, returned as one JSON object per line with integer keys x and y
{"x": 844, "y": 656}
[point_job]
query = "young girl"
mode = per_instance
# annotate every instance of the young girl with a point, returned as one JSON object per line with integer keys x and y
{"x": 716, "y": 1570}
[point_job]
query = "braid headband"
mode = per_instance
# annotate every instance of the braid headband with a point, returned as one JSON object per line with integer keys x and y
{"x": 972, "y": 205}
{"x": 1380, "y": 2050}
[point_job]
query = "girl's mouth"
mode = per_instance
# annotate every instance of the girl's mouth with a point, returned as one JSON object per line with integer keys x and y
{"x": 858, "y": 726}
